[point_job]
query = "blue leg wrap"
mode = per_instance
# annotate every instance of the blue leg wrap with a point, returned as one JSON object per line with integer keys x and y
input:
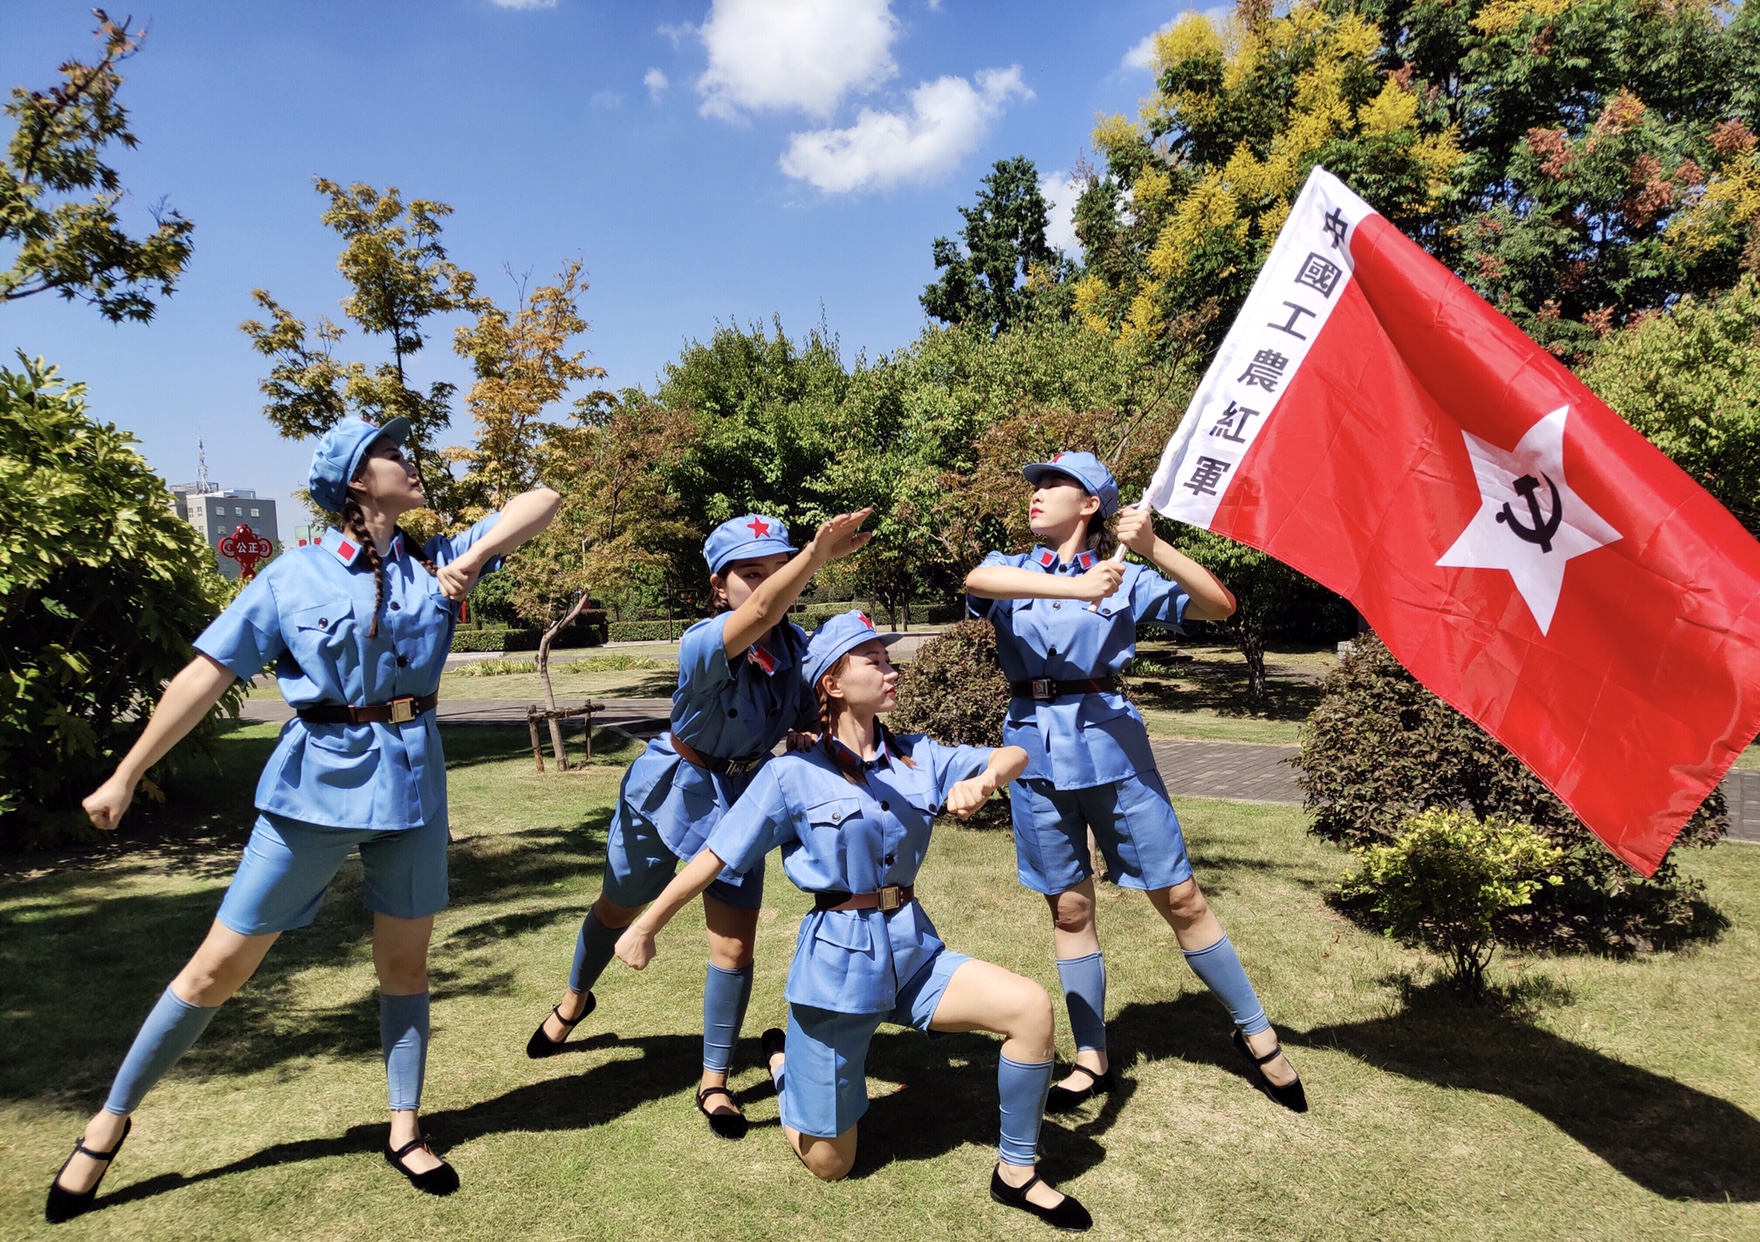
{"x": 1219, "y": 966}
{"x": 170, "y": 1029}
{"x": 725, "y": 993}
{"x": 592, "y": 951}
{"x": 1084, "y": 991}
{"x": 1023, "y": 1089}
{"x": 403, "y": 1034}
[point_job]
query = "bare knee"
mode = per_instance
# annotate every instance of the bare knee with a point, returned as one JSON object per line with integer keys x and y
{"x": 1184, "y": 904}
{"x": 402, "y": 973}
{"x": 729, "y": 953}
{"x": 1034, "y": 1023}
{"x": 1072, "y": 912}
{"x": 826, "y": 1160}
{"x": 613, "y": 917}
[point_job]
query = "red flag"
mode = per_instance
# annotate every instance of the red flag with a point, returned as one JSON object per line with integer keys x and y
{"x": 1522, "y": 550}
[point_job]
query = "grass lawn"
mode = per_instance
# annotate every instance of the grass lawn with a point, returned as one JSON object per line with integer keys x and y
{"x": 1202, "y": 694}
{"x": 574, "y": 676}
{"x": 1613, "y": 1101}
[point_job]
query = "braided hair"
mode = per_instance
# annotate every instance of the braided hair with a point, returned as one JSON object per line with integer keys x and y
{"x": 850, "y": 768}
{"x": 356, "y": 521}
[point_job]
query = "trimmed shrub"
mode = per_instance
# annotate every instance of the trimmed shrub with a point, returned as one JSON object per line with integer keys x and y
{"x": 955, "y": 692}
{"x": 1380, "y": 749}
{"x": 648, "y": 631}
{"x": 1445, "y": 882}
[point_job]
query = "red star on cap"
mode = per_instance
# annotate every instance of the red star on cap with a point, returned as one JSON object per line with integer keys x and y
{"x": 759, "y": 528}
{"x": 865, "y": 621}
{"x": 1059, "y": 457}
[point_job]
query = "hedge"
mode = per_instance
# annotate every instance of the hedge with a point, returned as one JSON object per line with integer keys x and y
{"x": 506, "y": 638}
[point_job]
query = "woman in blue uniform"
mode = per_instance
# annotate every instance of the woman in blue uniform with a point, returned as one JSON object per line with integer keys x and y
{"x": 357, "y": 626}
{"x": 739, "y": 693}
{"x": 1066, "y": 621}
{"x": 852, "y": 817}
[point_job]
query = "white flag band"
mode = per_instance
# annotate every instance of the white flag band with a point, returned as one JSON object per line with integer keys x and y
{"x": 1304, "y": 277}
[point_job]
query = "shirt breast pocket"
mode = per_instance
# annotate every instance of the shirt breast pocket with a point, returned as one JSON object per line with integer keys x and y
{"x": 846, "y": 930}
{"x": 318, "y": 633}
{"x": 833, "y": 813}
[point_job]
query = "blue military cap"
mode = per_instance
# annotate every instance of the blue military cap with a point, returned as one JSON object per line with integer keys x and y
{"x": 834, "y": 640}
{"x": 1084, "y": 468}
{"x": 743, "y": 539}
{"x": 339, "y": 454}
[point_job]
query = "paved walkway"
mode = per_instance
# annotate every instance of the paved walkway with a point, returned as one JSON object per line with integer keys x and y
{"x": 1245, "y": 771}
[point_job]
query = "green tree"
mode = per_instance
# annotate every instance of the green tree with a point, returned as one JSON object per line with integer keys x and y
{"x": 58, "y": 196}
{"x": 1689, "y": 379}
{"x": 991, "y": 280}
{"x": 401, "y": 278}
{"x": 102, "y": 586}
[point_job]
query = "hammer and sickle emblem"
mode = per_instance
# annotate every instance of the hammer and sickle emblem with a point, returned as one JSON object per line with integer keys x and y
{"x": 1544, "y": 528}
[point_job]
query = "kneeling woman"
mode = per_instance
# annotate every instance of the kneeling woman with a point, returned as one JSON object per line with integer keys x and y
{"x": 852, "y": 817}
{"x": 1091, "y": 768}
{"x": 357, "y": 627}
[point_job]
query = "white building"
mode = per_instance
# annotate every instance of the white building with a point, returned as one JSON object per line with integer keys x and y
{"x": 218, "y": 512}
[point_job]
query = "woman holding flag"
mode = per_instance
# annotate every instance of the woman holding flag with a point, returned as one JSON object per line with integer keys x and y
{"x": 1066, "y": 623}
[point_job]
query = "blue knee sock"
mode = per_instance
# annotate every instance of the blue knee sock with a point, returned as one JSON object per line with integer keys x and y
{"x": 403, "y": 1034}
{"x": 170, "y": 1029}
{"x": 1219, "y": 966}
{"x": 725, "y": 993}
{"x": 1084, "y": 991}
{"x": 592, "y": 950}
{"x": 1023, "y": 1089}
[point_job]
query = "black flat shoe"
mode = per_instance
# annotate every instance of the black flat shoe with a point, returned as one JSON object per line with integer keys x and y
{"x": 1290, "y": 1094}
{"x": 725, "y": 1125}
{"x": 1064, "y": 1100}
{"x": 65, "y": 1204}
{"x": 772, "y": 1041}
{"x": 541, "y": 1045}
{"x": 438, "y": 1181}
{"x": 1069, "y": 1215}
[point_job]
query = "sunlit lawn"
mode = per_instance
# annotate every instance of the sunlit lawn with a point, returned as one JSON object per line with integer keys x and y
{"x": 1616, "y": 1101}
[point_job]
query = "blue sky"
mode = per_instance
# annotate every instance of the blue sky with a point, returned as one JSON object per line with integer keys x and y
{"x": 709, "y": 161}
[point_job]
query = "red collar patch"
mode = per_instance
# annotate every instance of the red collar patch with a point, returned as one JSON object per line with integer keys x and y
{"x": 340, "y": 546}
{"x": 1085, "y": 560}
{"x": 761, "y": 657}
{"x": 1047, "y": 557}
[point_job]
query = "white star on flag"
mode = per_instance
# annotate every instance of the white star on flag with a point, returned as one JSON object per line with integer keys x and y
{"x": 1529, "y": 523}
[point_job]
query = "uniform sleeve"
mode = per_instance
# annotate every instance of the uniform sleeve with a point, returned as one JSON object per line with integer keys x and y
{"x": 702, "y": 656}
{"x": 758, "y": 823}
{"x": 248, "y": 634}
{"x": 1157, "y": 600}
{"x": 444, "y": 548}
{"x": 950, "y": 764}
{"x": 991, "y": 608}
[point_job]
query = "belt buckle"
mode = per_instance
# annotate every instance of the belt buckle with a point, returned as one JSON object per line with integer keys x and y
{"x": 889, "y": 897}
{"x": 1042, "y": 689}
{"x": 739, "y": 767}
{"x": 403, "y": 710}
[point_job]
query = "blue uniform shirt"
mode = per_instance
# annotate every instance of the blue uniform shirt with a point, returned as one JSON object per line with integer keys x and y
{"x": 308, "y": 611}
{"x": 843, "y": 838}
{"x": 728, "y": 707}
{"x": 1080, "y": 740}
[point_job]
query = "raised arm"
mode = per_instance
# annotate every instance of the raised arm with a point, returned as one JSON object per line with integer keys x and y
{"x": 1210, "y": 600}
{"x": 1006, "y": 763}
{"x": 776, "y": 594}
{"x": 635, "y": 948}
{"x": 1008, "y": 582}
{"x": 187, "y": 699}
{"x": 523, "y": 517}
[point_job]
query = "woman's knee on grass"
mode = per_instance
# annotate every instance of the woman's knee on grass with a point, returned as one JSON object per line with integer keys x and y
{"x": 829, "y": 1160}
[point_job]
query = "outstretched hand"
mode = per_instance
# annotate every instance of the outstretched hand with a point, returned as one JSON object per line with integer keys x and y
{"x": 108, "y": 802}
{"x": 839, "y": 537}
{"x": 964, "y": 799}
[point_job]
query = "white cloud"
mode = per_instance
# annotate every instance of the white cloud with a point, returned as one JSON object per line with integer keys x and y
{"x": 946, "y": 122}
{"x": 677, "y": 32}
{"x": 1142, "y": 53}
{"x": 524, "y": 4}
{"x": 1061, "y": 192}
{"x": 656, "y": 83}
{"x": 605, "y": 99}
{"x": 806, "y": 54}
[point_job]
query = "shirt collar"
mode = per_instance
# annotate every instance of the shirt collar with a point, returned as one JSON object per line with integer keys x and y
{"x": 345, "y": 549}
{"x": 1047, "y": 560}
{"x": 882, "y": 753}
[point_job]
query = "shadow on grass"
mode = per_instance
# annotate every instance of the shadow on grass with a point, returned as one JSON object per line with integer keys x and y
{"x": 1665, "y": 1136}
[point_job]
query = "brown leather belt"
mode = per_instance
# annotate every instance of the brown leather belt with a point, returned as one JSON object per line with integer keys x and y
{"x": 885, "y": 900}
{"x": 397, "y": 711}
{"x": 715, "y": 763}
{"x": 1044, "y": 689}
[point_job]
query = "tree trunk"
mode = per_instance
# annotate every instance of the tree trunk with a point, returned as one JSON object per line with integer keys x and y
{"x": 544, "y": 677}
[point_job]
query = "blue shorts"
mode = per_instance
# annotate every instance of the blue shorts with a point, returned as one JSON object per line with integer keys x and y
{"x": 288, "y": 863}
{"x": 1133, "y": 824}
{"x": 824, "y": 1074}
{"x": 639, "y": 864}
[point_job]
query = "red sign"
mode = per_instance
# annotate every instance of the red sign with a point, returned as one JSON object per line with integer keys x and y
{"x": 247, "y": 547}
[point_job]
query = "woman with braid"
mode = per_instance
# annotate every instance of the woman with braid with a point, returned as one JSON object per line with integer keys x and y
{"x": 357, "y": 626}
{"x": 739, "y": 693}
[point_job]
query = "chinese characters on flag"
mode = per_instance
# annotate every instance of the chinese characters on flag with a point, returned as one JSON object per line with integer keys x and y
{"x": 1534, "y": 561}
